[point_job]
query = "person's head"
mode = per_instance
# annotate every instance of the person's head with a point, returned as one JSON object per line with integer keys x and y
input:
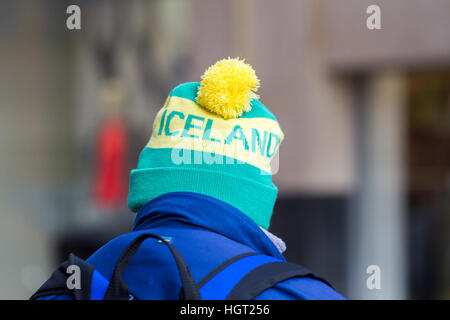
{"x": 214, "y": 138}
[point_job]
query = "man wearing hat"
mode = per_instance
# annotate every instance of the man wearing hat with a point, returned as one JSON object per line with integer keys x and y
{"x": 203, "y": 189}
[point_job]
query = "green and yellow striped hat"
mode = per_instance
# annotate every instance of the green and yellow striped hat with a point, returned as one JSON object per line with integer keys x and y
{"x": 214, "y": 138}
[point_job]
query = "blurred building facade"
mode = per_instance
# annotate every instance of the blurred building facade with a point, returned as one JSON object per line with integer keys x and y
{"x": 364, "y": 169}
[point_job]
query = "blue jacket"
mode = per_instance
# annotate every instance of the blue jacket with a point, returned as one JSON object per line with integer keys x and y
{"x": 206, "y": 232}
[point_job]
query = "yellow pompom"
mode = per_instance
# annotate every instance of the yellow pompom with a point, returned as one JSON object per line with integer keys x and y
{"x": 228, "y": 87}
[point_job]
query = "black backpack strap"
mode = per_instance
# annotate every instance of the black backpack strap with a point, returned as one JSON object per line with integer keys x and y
{"x": 265, "y": 277}
{"x": 224, "y": 265}
{"x": 57, "y": 283}
{"x": 118, "y": 289}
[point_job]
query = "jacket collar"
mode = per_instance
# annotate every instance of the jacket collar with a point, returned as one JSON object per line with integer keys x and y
{"x": 208, "y": 213}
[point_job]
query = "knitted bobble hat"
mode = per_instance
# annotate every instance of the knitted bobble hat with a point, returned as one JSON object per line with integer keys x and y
{"x": 213, "y": 138}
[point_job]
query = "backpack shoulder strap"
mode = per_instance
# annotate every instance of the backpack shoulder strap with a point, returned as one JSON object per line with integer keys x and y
{"x": 265, "y": 277}
{"x": 220, "y": 281}
{"x": 118, "y": 289}
{"x": 245, "y": 276}
{"x": 95, "y": 287}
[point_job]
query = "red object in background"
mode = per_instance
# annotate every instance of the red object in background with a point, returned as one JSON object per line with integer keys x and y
{"x": 110, "y": 183}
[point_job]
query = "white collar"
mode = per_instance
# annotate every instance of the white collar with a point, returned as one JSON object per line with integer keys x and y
{"x": 278, "y": 242}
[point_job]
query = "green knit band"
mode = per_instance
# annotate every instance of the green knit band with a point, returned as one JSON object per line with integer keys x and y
{"x": 235, "y": 184}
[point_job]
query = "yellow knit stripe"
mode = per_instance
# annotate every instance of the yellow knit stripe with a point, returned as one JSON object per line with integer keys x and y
{"x": 183, "y": 124}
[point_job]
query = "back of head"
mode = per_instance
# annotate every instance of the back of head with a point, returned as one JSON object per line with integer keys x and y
{"x": 213, "y": 138}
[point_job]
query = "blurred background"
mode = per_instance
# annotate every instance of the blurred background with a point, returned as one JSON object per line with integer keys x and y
{"x": 364, "y": 172}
